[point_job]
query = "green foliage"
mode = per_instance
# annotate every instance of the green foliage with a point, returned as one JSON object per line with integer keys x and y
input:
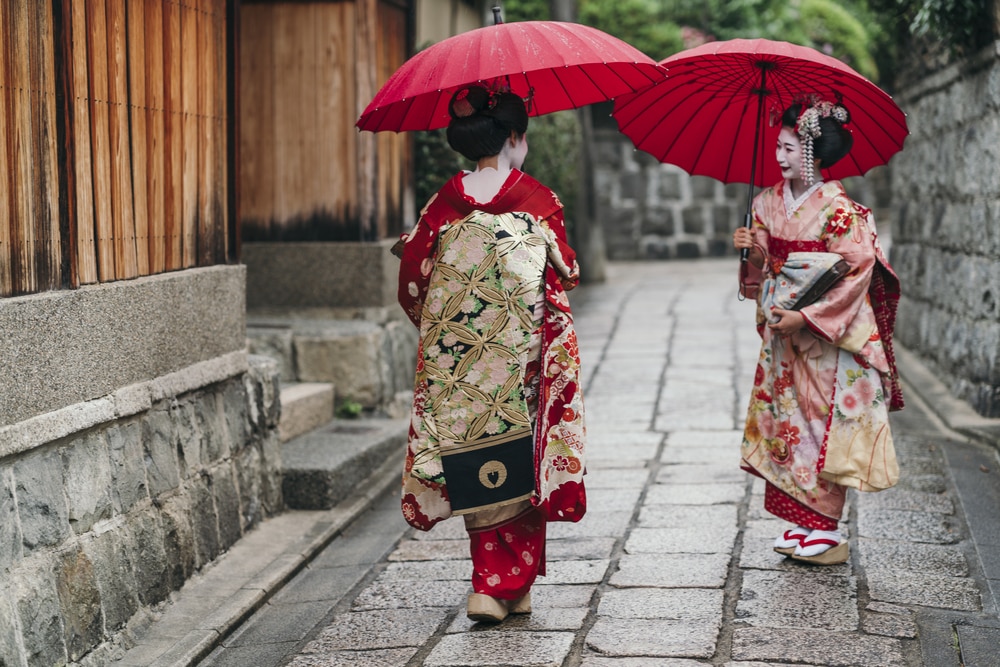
{"x": 964, "y": 24}
{"x": 349, "y": 409}
{"x": 554, "y": 156}
{"x": 434, "y": 162}
{"x": 645, "y": 24}
{"x": 833, "y": 30}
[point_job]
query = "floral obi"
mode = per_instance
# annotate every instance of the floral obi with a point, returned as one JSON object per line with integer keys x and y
{"x": 779, "y": 249}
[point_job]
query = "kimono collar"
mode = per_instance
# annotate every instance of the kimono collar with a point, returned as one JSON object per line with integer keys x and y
{"x": 792, "y": 205}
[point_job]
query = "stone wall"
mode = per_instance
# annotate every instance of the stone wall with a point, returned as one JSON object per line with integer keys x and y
{"x": 327, "y": 312}
{"x": 658, "y": 211}
{"x": 109, "y": 503}
{"x": 946, "y": 227}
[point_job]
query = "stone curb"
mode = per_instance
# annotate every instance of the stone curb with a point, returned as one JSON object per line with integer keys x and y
{"x": 208, "y": 628}
{"x": 955, "y": 413}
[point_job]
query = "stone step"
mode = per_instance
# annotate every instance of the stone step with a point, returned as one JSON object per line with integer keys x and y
{"x": 304, "y": 406}
{"x": 322, "y": 467}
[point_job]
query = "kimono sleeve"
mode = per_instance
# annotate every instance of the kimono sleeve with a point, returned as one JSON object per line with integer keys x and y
{"x": 563, "y": 258}
{"x": 413, "y": 284}
{"x": 839, "y": 316}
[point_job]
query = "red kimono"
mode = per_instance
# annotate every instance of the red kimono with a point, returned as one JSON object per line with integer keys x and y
{"x": 497, "y": 365}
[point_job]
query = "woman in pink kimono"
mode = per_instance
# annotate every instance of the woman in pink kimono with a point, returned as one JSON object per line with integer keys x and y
{"x": 818, "y": 418}
{"x": 496, "y": 429}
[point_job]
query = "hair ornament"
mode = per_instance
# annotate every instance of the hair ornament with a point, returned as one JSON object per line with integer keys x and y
{"x": 472, "y": 99}
{"x": 808, "y": 129}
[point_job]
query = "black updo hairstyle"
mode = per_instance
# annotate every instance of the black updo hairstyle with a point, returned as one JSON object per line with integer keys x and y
{"x": 834, "y": 141}
{"x": 481, "y": 121}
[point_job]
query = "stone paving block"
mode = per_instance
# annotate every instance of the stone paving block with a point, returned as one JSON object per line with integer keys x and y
{"x": 684, "y": 453}
{"x": 894, "y": 556}
{"x": 816, "y": 647}
{"x": 907, "y": 526}
{"x": 558, "y": 596}
{"x": 539, "y": 620}
{"x": 602, "y": 438}
{"x": 449, "y": 529}
{"x": 585, "y": 548}
{"x": 724, "y": 440}
{"x": 411, "y": 550}
{"x": 672, "y": 570}
{"x": 905, "y": 499}
{"x": 592, "y": 661}
{"x": 482, "y": 649}
{"x": 392, "y": 657}
{"x": 798, "y": 600}
{"x": 619, "y": 456}
{"x": 889, "y": 625}
{"x": 616, "y": 478}
{"x": 576, "y": 571}
{"x": 677, "y": 604}
{"x": 759, "y": 554}
{"x": 448, "y": 570}
{"x": 681, "y": 540}
{"x": 390, "y": 594}
{"x": 928, "y": 590}
{"x": 923, "y": 483}
{"x": 694, "y": 416}
{"x": 612, "y": 500}
{"x": 695, "y": 494}
{"x": 385, "y": 628}
{"x": 694, "y": 473}
{"x": 694, "y": 518}
{"x": 593, "y": 524}
{"x": 648, "y": 637}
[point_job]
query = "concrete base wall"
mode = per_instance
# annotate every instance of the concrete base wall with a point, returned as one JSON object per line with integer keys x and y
{"x": 313, "y": 278}
{"x": 946, "y": 228}
{"x": 143, "y": 447}
{"x": 60, "y": 348}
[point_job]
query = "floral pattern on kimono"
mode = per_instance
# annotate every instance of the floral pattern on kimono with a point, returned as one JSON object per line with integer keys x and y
{"x": 818, "y": 411}
{"x": 498, "y": 268}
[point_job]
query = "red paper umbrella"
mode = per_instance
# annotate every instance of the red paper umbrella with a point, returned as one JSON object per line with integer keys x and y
{"x": 711, "y": 115}
{"x": 552, "y": 65}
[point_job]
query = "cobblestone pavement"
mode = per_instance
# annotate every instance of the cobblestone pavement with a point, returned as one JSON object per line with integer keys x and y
{"x": 672, "y": 566}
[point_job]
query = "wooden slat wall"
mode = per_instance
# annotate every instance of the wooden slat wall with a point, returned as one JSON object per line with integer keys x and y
{"x": 145, "y": 145}
{"x": 393, "y": 149}
{"x": 30, "y": 258}
{"x": 298, "y": 104}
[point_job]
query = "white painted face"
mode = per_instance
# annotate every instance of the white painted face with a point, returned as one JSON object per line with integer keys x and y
{"x": 517, "y": 151}
{"x": 789, "y": 154}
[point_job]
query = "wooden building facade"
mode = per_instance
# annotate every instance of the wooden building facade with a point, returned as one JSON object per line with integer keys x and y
{"x": 307, "y": 70}
{"x": 114, "y": 155}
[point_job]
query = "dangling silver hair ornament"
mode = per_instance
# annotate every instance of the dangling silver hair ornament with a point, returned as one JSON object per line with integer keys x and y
{"x": 808, "y": 129}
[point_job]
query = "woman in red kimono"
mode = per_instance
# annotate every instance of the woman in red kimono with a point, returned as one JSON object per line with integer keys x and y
{"x": 818, "y": 423}
{"x": 496, "y": 431}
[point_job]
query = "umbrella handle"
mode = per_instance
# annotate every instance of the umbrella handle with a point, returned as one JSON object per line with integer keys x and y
{"x": 745, "y": 252}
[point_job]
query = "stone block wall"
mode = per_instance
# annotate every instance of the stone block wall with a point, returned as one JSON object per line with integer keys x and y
{"x": 99, "y": 526}
{"x": 144, "y": 449}
{"x": 946, "y": 227}
{"x": 658, "y": 211}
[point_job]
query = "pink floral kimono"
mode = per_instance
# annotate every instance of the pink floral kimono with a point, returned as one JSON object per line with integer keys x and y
{"x": 818, "y": 418}
{"x": 497, "y": 366}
